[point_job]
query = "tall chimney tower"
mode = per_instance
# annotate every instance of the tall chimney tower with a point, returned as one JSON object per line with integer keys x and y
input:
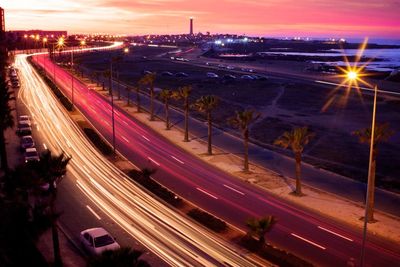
{"x": 191, "y": 25}
{"x": 2, "y": 25}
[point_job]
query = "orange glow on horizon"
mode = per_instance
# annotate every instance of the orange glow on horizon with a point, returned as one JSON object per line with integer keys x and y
{"x": 342, "y": 18}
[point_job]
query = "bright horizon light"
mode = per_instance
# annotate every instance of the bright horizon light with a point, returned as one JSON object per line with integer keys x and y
{"x": 308, "y": 18}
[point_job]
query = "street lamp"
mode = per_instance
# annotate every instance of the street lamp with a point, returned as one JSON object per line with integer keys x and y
{"x": 352, "y": 76}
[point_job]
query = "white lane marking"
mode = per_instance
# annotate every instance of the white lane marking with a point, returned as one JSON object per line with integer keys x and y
{"x": 92, "y": 211}
{"x": 334, "y": 233}
{"x": 205, "y": 192}
{"x": 180, "y": 161}
{"x": 68, "y": 144}
{"x": 37, "y": 127}
{"x": 308, "y": 241}
{"x": 233, "y": 189}
{"x": 125, "y": 122}
{"x": 126, "y": 139}
{"x": 85, "y": 169}
{"x": 44, "y": 145}
{"x": 146, "y": 138}
{"x": 152, "y": 160}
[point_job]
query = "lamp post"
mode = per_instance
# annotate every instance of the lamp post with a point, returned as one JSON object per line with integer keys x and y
{"x": 352, "y": 76}
{"x": 72, "y": 78}
{"x": 112, "y": 60}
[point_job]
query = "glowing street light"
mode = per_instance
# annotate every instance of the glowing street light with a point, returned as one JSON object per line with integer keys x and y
{"x": 126, "y": 50}
{"x": 353, "y": 76}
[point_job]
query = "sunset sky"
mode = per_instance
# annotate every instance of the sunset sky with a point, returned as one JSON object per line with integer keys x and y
{"x": 317, "y": 18}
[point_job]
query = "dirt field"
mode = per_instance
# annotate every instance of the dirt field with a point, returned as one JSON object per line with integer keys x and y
{"x": 283, "y": 104}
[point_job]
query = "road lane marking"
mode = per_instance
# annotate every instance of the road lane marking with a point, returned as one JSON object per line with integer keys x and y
{"x": 44, "y": 145}
{"x": 94, "y": 213}
{"x": 85, "y": 169}
{"x": 125, "y": 122}
{"x": 126, "y": 139}
{"x": 308, "y": 241}
{"x": 233, "y": 189}
{"x": 146, "y": 138}
{"x": 37, "y": 127}
{"x": 180, "y": 161}
{"x": 205, "y": 192}
{"x": 152, "y": 160}
{"x": 334, "y": 233}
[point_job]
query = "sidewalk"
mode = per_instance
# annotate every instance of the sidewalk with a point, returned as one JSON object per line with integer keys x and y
{"x": 336, "y": 207}
{"x": 70, "y": 255}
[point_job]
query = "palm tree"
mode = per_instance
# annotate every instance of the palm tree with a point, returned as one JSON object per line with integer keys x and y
{"x": 207, "y": 104}
{"x": 242, "y": 121}
{"x": 165, "y": 96}
{"x": 6, "y": 120}
{"x": 50, "y": 170}
{"x": 296, "y": 139}
{"x": 149, "y": 79}
{"x": 184, "y": 93}
{"x": 123, "y": 257}
{"x": 137, "y": 90}
{"x": 382, "y": 134}
{"x": 259, "y": 227}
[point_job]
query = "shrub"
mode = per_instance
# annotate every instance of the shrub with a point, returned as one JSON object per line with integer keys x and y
{"x": 98, "y": 141}
{"x": 272, "y": 254}
{"x": 208, "y": 220}
{"x": 155, "y": 188}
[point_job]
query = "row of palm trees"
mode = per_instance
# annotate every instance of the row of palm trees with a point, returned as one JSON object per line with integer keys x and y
{"x": 296, "y": 139}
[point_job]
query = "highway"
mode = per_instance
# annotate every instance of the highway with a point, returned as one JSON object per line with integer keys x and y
{"x": 315, "y": 238}
{"x": 172, "y": 237}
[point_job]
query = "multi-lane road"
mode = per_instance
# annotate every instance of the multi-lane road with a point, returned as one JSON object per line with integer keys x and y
{"x": 320, "y": 240}
{"x": 170, "y": 236}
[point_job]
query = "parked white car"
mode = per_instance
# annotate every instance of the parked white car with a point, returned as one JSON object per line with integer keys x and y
{"x": 97, "y": 240}
{"x": 212, "y": 75}
{"x": 31, "y": 154}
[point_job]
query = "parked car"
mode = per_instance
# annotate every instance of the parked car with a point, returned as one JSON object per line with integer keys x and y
{"x": 27, "y": 142}
{"x": 212, "y": 75}
{"x": 259, "y": 77}
{"x": 97, "y": 240}
{"x": 230, "y": 67}
{"x": 31, "y": 154}
{"x": 221, "y": 66}
{"x": 24, "y": 118}
{"x": 24, "y": 128}
{"x": 147, "y": 72}
{"x": 167, "y": 73}
{"x": 181, "y": 74}
{"x": 229, "y": 77}
{"x": 246, "y": 77}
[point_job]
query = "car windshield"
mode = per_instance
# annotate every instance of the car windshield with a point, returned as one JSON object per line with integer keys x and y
{"x": 102, "y": 241}
{"x": 32, "y": 154}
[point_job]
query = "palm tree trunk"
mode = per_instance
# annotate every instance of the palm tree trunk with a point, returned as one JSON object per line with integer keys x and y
{"x": 298, "y": 173}
{"x": 138, "y": 100}
{"x": 246, "y": 149}
{"x": 118, "y": 86}
{"x": 151, "y": 103}
{"x": 371, "y": 192}
{"x": 209, "y": 148}
{"x": 186, "y": 139}
{"x": 3, "y": 151}
{"x": 167, "y": 115}
{"x": 54, "y": 230}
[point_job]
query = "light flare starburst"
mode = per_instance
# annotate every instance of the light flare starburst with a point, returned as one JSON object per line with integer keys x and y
{"x": 352, "y": 75}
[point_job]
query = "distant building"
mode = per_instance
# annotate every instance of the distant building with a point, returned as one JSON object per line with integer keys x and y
{"x": 191, "y": 26}
{"x": 3, "y": 24}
